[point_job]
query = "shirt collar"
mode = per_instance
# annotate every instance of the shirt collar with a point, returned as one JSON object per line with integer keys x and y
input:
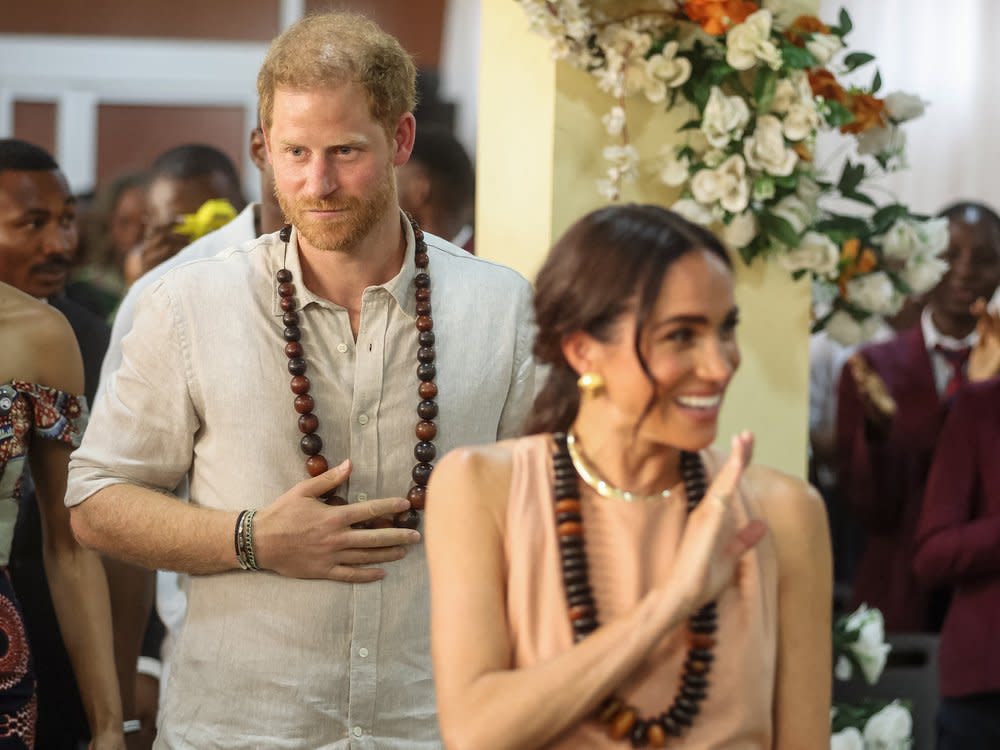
{"x": 399, "y": 287}
{"x": 933, "y": 337}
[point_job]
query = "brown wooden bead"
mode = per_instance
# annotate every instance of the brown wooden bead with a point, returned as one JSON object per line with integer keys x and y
{"x": 417, "y": 497}
{"x": 580, "y": 611}
{"x": 293, "y": 349}
{"x": 422, "y": 280}
{"x": 308, "y": 423}
{"x": 300, "y": 385}
{"x": 292, "y": 333}
{"x": 297, "y": 366}
{"x": 426, "y": 338}
{"x": 286, "y": 289}
{"x": 423, "y": 295}
{"x": 426, "y": 354}
{"x": 424, "y": 451}
{"x": 420, "y": 260}
{"x": 698, "y": 667}
{"x": 423, "y": 308}
{"x": 316, "y": 465}
{"x": 424, "y": 323}
{"x": 381, "y": 523}
{"x": 428, "y": 389}
{"x": 570, "y": 529}
{"x": 702, "y": 641}
{"x": 408, "y": 519}
{"x": 304, "y": 403}
{"x": 283, "y": 275}
{"x": 427, "y": 410}
{"x": 311, "y": 444}
{"x": 287, "y": 304}
{"x": 568, "y": 506}
{"x": 421, "y": 474}
{"x": 290, "y": 318}
{"x": 622, "y": 724}
{"x": 426, "y": 430}
{"x": 656, "y": 736}
{"x": 332, "y": 499}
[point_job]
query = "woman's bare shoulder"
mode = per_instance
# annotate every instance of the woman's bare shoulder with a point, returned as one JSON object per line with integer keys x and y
{"x": 484, "y": 470}
{"x": 39, "y": 342}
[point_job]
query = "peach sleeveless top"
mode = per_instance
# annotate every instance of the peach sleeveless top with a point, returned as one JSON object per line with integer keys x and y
{"x": 630, "y": 547}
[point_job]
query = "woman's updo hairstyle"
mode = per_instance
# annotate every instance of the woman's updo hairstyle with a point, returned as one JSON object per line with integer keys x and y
{"x": 612, "y": 259}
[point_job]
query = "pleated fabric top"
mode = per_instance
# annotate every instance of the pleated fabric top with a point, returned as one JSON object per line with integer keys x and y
{"x": 630, "y": 548}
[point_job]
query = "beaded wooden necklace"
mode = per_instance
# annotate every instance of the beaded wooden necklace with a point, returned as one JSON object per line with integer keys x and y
{"x": 426, "y": 430}
{"x": 622, "y": 721}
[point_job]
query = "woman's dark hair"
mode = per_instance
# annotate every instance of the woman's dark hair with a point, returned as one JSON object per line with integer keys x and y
{"x": 608, "y": 261}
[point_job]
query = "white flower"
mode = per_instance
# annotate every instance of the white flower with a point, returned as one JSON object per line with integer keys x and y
{"x": 801, "y": 121}
{"x": 816, "y": 252}
{"x": 902, "y": 106}
{"x": 692, "y": 210}
{"x": 847, "y": 739}
{"x": 907, "y": 238}
{"x": 766, "y": 149}
{"x": 614, "y": 121}
{"x": 795, "y": 212}
{"x": 922, "y": 273}
{"x": 886, "y": 139}
{"x": 889, "y": 729}
{"x": 750, "y": 41}
{"x": 725, "y": 118}
{"x": 875, "y": 293}
{"x": 786, "y": 11}
{"x": 791, "y": 90}
{"x": 727, "y": 184}
{"x": 607, "y": 189}
{"x": 740, "y": 231}
{"x": 664, "y": 71}
{"x": 870, "y": 649}
{"x": 675, "y": 170}
{"x": 808, "y": 191}
{"x": 843, "y": 669}
{"x": 824, "y": 46}
{"x": 844, "y": 329}
{"x": 823, "y": 293}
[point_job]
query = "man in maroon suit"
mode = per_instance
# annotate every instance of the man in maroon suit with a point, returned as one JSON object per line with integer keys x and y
{"x": 893, "y": 399}
{"x": 958, "y": 545}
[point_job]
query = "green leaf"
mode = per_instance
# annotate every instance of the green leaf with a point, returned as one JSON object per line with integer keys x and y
{"x": 855, "y": 195}
{"x": 876, "y": 81}
{"x": 850, "y": 177}
{"x": 845, "y": 22}
{"x": 844, "y": 227}
{"x": 886, "y": 216}
{"x": 763, "y": 88}
{"x": 789, "y": 181}
{"x": 719, "y": 72}
{"x": 837, "y": 114}
{"x": 690, "y": 125}
{"x": 856, "y": 59}
{"x": 780, "y": 229}
{"x": 797, "y": 58}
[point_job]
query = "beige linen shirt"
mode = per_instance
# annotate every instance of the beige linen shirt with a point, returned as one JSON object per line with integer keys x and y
{"x": 203, "y": 392}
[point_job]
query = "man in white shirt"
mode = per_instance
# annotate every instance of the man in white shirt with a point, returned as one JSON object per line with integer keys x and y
{"x": 327, "y": 644}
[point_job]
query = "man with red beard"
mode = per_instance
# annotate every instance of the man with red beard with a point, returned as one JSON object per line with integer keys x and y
{"x": 307, "y": 620}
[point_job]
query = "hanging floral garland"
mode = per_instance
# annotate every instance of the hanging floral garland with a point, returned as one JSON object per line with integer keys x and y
{"x": 761, "y": 82}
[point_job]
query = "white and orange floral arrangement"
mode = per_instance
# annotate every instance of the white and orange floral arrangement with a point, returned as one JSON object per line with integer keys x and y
{"x": 761, "y": 82}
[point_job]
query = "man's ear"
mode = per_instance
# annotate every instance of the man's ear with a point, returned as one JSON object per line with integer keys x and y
{"x": 402, "y": 139}
{"x": 258, "y": 148}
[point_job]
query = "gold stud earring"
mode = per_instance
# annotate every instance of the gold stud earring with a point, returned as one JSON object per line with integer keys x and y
{"x": 590, "y": 383}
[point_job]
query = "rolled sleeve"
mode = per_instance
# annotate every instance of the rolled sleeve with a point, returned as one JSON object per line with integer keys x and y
{"x": 143, "y": 423}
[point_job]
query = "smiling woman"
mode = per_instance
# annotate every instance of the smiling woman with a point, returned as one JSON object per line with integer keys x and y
{"x": 609, "y": 578}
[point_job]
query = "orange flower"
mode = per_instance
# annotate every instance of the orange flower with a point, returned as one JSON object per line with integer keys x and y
{"x": 868, "y": 111}
{"x": 854, "y": 262}
{"x": 717, "y": 16}
{"x": 803, "y": 151}
{"x": 803, "y": 25}
{"x": 822, "y": 83}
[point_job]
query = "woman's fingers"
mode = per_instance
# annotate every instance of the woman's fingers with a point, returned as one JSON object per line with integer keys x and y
{"x": 728, "y": 478}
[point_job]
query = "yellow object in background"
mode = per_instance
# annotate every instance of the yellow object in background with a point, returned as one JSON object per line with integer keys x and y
{"x": 211, "y": 215}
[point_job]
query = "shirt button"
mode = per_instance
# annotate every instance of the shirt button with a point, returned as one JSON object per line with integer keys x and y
{"x": 362, "y": 496}
{"x": 363, "y": 419}
{"x": 342, "y": 348}
{"x": 363, "y": 652}
{"x": 358, "y": 731}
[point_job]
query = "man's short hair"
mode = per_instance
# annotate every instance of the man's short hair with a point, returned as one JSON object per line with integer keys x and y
{"x": 964, "y": 210}
{"x": 194, "y": 160}
{"x": 448, "y": 167}
{"x": 333, "y": 49}
{"x": 21, "y": 156}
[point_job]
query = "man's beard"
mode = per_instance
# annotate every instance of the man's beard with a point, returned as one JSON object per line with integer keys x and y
{"x": 359, "y": 217}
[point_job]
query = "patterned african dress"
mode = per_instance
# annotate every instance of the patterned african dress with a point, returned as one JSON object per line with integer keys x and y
{"x": 27, "y": 412}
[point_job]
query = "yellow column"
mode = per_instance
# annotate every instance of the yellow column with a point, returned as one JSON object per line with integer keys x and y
{"x": 538, "y": 159}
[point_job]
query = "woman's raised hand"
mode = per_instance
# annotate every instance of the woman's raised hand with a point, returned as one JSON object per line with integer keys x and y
{"x": 713, "y": 539}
